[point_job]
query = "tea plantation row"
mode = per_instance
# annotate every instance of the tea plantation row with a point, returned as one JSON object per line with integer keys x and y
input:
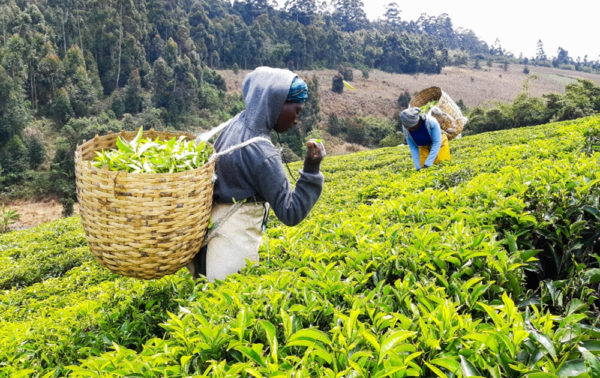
{"x": 485, "y": 266}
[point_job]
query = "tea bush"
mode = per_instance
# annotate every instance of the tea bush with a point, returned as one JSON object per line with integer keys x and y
{"x": 396, "y": 272}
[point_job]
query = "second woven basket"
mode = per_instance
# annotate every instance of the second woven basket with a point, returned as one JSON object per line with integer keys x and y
{"x": 142, "y": 225}
{"x": 450, "y": 118}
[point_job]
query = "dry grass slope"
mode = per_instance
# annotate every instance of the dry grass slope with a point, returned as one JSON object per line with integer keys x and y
{"x": 377, "y": 95}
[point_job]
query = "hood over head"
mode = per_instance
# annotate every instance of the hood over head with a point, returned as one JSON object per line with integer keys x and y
{"x": 265, "y": 90}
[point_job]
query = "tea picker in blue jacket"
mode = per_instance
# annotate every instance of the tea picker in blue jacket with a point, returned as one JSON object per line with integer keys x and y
{"x": 427, "y": 143}
{"x": 255, "y": 176}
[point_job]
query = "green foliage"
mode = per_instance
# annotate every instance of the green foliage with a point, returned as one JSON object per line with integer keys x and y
{"x": 592, "y": 140}
{"x": 132, "y": 94}
{"x": 404, "y": 99}
{"x": 337, "y": 84}
{"x": 335, "y": 126}
{"x": 292, "y": 143}
{"x": 154, "y": 156}
{"x": 68, "y": 206}
{"x": 369, "y": 131}
{"x": 580, "y": 99}
{"x": 346, "y": 72}
{"x": 14, "y": 111}
{"x": 35, "y": 146}
{"x": 310, "y": 115}
{"x": 426, "y": 275}
{"x": 7, "y": 218}
{"x": 62, "y": 168}
{"x": 61, "y": 110}
{"x": 82, "y": 94}
{"x": 16, "y": 157}
{"x": 427, "y": 107}
{"x": 392, "y": 139}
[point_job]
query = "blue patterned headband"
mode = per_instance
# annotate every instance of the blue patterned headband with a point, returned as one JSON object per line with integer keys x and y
{"x": 298, "y": 91}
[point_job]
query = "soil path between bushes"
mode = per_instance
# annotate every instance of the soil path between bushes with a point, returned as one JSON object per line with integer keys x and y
{"x": 34, "y": 213}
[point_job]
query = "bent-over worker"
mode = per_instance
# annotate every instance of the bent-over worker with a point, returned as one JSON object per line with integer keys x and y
{"x": 427, "y": 143}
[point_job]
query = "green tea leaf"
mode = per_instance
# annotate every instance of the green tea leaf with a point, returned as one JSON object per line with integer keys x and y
{"x": 467, "y": 369}
{"x": 251, "y": 354}
{"x": 542, "y": 339}
{"x": 271, "y": 333}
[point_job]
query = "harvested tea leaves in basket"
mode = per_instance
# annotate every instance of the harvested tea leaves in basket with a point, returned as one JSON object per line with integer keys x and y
{"x": 427, "y": 107}
{"x": 154, "y": 156}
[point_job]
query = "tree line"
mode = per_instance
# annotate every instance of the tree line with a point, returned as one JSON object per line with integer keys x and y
{"x": 580, "y": 99}
{"x": 70, "y": 69}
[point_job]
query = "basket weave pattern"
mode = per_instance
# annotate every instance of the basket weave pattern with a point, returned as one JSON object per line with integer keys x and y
{"x": 142, "y": 225}
{"x": 453, "y": 121}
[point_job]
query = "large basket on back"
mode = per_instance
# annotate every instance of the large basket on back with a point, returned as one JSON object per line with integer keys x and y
{"x": 142, "y": 225}
{"x": 448, "y": 115}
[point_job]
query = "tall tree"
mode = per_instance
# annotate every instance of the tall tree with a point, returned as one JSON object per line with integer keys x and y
{"x": 392, "y": 15}
{"x": 51, "y": 77}
{"x": 350, "y": 14}
{"x": 540, "y": 55}
{"x": 302, "y": 11}
{"x": 82, "y": 95}
{"x": 132, "y": 93}
{"x": 562, "y": 57}
{"x": 162, "y": 82}
{"x": 496, "y": 48}
{"x": 14, "y": 114}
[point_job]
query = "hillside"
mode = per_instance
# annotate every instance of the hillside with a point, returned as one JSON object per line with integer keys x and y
{"x": 378, "y": 95}
{"x": 466, "y": 268}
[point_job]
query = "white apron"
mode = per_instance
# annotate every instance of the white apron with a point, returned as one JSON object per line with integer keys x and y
{"x": 237, "y": 239}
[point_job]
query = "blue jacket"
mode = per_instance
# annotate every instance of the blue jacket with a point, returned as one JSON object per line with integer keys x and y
{"x": 256, "y": 172}
{"x": 435, "y": 132}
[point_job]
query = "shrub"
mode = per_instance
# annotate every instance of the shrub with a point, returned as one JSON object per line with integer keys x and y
{"x": 335, "y": 126}
{"x": 346, "y": 72}
{"x": 337, "y": 84}
{"x": 356, "y": 132}
{"x": 15, "y": 160}
{"x": 7, "y": 218}
{"x": 375, "y": 129}
{"x": 392, "y": 140}
{"x": 592, "y": 140}
{"x": 34, "y": 141}
{"x": 403, "y": 99}
{"x": 67, "y": 204}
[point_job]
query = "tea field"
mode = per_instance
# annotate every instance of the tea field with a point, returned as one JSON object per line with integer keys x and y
{"x": 485, "y": 266}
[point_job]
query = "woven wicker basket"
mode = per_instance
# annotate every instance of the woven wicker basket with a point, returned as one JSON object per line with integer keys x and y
{"x": 450, "y": 118}
{"x": 142, "y": 225}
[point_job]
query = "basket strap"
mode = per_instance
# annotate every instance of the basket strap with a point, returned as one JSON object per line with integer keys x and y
{"x": 238, "y": 146}
{"x": 214, "y": 231}
{"x": 205, "y": 136}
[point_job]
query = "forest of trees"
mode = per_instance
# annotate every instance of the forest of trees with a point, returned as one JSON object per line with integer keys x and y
{"x": 70, "y": 69}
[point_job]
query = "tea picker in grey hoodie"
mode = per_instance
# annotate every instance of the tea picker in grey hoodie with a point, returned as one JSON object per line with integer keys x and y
{"x": 255, "y": 173}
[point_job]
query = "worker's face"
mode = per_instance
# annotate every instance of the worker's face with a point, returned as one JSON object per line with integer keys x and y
{"x": 415, "y": 127}
{"x": 288, "y": 116}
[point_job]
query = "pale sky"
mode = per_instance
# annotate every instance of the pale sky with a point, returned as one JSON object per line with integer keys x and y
{"x": 573, "y": 25}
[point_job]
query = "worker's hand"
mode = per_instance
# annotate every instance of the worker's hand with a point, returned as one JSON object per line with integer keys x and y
{"x": 315, "y": 152}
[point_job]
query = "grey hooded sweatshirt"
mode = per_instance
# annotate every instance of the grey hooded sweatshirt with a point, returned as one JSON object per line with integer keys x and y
{"x": 256, "y": 171}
